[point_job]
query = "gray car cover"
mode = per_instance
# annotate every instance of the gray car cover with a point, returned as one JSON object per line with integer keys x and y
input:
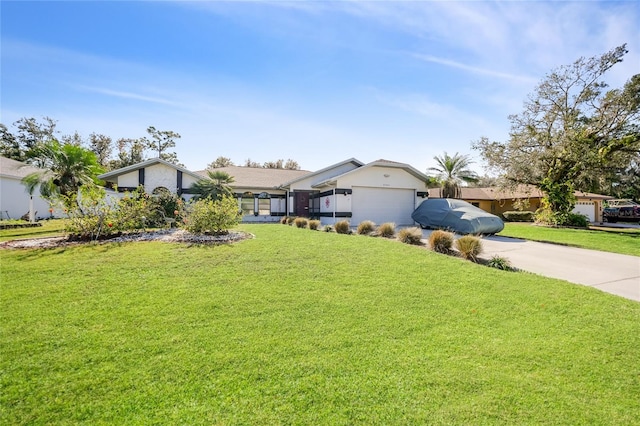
{"x": 457, "y": 216}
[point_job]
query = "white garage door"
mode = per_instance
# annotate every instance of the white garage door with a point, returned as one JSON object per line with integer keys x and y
{"x": 586, "y": 208}
{"x": 382, "y": 205}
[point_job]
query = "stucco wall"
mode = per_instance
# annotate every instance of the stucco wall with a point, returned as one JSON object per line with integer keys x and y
{"x": 14, "y": 200}
{"x": 128, "y": 180}
{"x": 381, "y": 177}
{"x": 308, "y": 182}
{"x": 160, "y": 175}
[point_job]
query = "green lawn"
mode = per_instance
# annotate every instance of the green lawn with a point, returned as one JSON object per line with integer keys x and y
{"x": 623, "y": 241}
{"x": 304, "y": 327}
{"x": 49, "y": 228}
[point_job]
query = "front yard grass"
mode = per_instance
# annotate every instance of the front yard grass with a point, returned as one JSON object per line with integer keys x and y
{"x": 49, "y": 228}
{"x": 304, "y": 327}
{"x": 615, "y": 240}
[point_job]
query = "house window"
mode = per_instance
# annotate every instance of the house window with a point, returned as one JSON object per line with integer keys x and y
{"x": 247, "y": 203}
{"x": 476, "y": 204}
{"x": 264, "y": 204}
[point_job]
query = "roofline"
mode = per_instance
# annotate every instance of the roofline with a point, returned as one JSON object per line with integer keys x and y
{"x": 358, "y": 163}
{"x": 392, "y": 164}
{"x": 143, "y": 164}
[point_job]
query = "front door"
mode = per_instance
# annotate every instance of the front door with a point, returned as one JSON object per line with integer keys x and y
{"x": 301, "y": 202}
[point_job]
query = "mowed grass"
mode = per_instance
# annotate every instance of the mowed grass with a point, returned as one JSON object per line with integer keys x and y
{"x": 303, "y": 327}
{"x": 49, "y": 228}
{"x": 615, "y": 240}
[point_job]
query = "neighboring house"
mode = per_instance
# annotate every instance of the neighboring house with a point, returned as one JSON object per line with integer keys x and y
{"x": 14, "y": 198}
{"x": 381, "y": 191}
{"x": 498, "y": 201}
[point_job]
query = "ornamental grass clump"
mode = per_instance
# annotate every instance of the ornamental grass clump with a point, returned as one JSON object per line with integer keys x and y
{"x": 284, "y": 220}
{"x": 300, "y": 222}
{"x": 469, "y": 247}
{"x": 290, "y": 220}
{"x": 441, "y": 241}
{"x": 314, "y": 224}
{"x": 500, "y": 263}
{"x": 366, "y": 227}
{"x": 386, "y": 230}
{"x": 410, "y": 235}
{"x": 343, "y": 227}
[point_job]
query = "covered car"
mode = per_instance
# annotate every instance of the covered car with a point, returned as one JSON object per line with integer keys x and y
{"x": 457, "y": 216}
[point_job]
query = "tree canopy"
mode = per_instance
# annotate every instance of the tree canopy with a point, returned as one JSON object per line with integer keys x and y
{"x": 571, "y": 134}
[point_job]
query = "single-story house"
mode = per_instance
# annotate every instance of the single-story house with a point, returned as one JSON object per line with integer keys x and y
{"x": 498, "y": 201}
{"x": 14, "y": 198}
{"x": 381, "y": 191}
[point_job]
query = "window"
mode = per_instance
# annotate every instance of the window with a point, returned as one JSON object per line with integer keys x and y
{"x": 264, "y": 204}
{"x": 475, "y": 204}
{"x": 247, "y": 203}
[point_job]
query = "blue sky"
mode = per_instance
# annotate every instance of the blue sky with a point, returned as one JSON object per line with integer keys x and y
{"x": 315, "y": 81}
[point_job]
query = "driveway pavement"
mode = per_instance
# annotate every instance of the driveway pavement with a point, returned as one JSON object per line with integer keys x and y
{"x": 614, "y": 273}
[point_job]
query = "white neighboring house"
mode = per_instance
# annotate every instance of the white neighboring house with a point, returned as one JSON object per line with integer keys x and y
{"x": 14, "y": 198}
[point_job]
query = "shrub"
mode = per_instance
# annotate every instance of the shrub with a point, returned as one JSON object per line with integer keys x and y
{"x": 328, "y": 228}
{"x": 284, "y": 220}
{"x": 578, "y": 220}
{"x": 90, "y": 215}
{"x": 441, "y": 241}
{"x": 410, "y": 235}
{"x": 314, "y": 224}
{"x": 208, "y": 216}
{"x": 290, "y": 220}
{"x": 386, "y": 230}
{"x": 343, "y": 227}
{"x": 366, "y": 227}
{"x": 469, "y": 247}
{"x": 300, "y": 222}
{"x": 500, "y": 263}
{"x": 517, "y": 216}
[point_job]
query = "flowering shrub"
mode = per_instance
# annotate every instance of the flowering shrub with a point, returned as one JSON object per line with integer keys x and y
{"x": 90, "y": 215}
{"x": 208, "y": 216}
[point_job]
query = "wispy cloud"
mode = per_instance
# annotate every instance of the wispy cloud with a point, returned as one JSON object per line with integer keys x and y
{"x": 474, "y": 69}
{"x": 129, "y": 95}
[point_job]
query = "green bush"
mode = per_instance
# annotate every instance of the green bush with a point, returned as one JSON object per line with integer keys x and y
{"x": 441, "y": 241}
{"x": 300, "y": 222}
{"x": 314, "y": 224}
{"x": 410, "y": 235}
{"x": 216, "y": 217}
{"x": 469, "y": 247}
{"x": 500, "y": 263}
{"x": 518, "y": 216}
{"x": 578, "y": 220}
{"x": 343, "y": 227}
{"x": 366, "y": 227}
{"x": 90, "y": 216}
{"x": 386, "y": 230}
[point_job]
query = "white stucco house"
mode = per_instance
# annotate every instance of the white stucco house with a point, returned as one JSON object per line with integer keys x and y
{"x": 381, "y": 191}
{"x": 14, "y": 198}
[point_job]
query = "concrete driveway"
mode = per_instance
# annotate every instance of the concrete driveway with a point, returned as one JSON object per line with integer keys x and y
{"x": 614, "y": 273}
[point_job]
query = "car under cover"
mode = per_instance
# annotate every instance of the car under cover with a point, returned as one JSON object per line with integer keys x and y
{"x": 457, "y": 216}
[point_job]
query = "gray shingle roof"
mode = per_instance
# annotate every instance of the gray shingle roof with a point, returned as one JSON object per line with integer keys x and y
{"x": 16, "y": 169}
{"x": 256, "y": 177}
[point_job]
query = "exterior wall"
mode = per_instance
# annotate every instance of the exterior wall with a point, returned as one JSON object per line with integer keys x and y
{"x": 381, "y": 177}
{"x": 128, "y": 180}
{"x": 160, "y": 175}
{"x": 14, "y": 200}
{"x": 187, "y": 181}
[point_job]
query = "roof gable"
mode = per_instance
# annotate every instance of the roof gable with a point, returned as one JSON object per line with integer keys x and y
{"x": 326, "y": 170}
{"x": 378, "y": 163}
{"x": 147, "y": 163}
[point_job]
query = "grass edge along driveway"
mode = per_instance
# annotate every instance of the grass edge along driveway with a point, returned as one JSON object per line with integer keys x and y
{"x": 303, "y": 327}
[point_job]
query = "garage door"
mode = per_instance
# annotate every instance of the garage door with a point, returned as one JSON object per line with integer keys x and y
{"x": 586, "y": 208}
{"x": 382, "y": 205}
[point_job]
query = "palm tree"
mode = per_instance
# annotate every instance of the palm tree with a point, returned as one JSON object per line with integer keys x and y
{"x": 214, "y": 186}
{"x": 68, "y": 168}
{"x": 453, "y": 171}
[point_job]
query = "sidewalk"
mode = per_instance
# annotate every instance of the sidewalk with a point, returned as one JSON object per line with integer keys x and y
{"x": 610, "y": 272}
